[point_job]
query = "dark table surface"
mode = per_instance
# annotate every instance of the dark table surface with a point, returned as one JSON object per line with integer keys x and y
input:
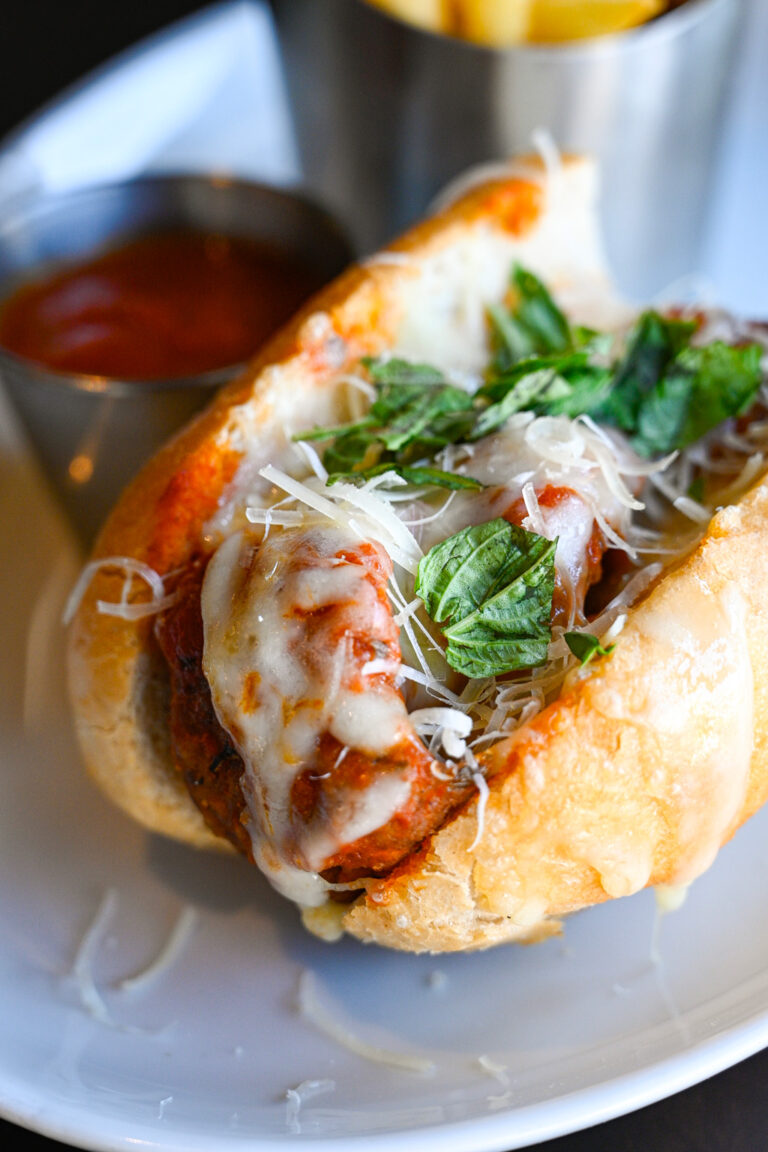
{"x": 48, "y": 44}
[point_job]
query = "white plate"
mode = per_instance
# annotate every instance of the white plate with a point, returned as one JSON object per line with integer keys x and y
{"x": 586, "y": 1027}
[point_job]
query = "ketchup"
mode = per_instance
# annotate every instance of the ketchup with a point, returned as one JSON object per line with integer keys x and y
{"x": 163, "y": 306}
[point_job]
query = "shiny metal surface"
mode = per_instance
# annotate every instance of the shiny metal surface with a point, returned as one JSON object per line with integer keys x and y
{"x": 387, "y": 114}
{"x": 92, "y": 433}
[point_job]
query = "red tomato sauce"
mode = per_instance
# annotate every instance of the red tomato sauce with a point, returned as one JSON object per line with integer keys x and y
{"x": 174, "y": 304}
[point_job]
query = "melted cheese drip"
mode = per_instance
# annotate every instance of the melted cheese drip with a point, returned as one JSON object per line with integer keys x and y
{"x": 276, "y": 692}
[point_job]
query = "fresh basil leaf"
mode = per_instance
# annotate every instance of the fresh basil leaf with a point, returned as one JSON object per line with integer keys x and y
{"x": 457, "y": 574}
{"x": 414, "y": 415}
{"x": 591, "y": 341}
{"x": 538, "y": 313}
{"x": 414, "y": 403}
{"x": 663, "y": 393}
{"x": 402, "y": 373}
{"x": 697, "y": 489}
{"x": 588, "y": 387}
{"x": 494, "y": 582}
{"x": 549, "y": 386}
{"x": 417, "y": 418}
{"x": 702, "y": 388}
{"x": 420, "y": 477}
{"x": 509, "y": 340}
{"x": 653, "y": 343}
{"x": 350, "y": 451}
{"x": 493, "y": 655}
{"x": 331, "y": 432}
{"x": 662, "y": 414}
{"x": 497, "y": 387}
{"x": 539, "y": 388}
{"x": 446, "y": 428}
{"x": 533, "y": 326}
{"x": 584, "y": 646}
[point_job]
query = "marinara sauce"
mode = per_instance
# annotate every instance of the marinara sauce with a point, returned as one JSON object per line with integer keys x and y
{"x": 163, "y": 306}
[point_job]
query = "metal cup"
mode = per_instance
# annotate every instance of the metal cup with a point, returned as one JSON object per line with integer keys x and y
{"x": 91, "y": 433}
{"x": 387, "y": 113}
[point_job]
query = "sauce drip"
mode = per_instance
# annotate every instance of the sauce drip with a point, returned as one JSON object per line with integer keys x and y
{"x": 163, "y": 306}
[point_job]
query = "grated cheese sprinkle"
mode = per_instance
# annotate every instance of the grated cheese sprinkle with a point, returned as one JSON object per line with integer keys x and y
{"x": 123, "y": 608}
{"x": 313, "y": 1010}
{"x": 480, "y": 783}
{"x": 296, "y": 1097}
{"x": 168, "y": 954}
{"x": 81, "y": 972}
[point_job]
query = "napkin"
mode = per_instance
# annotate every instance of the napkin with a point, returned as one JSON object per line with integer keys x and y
{"x": 207, "y": 94}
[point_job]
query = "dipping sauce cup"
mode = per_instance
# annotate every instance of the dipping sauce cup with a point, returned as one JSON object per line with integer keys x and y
{"x": 124, "y": 307}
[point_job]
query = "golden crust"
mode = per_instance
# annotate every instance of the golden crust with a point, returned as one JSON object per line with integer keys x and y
{"x": 116, "y": 682}
{"x": 636, "y": 775}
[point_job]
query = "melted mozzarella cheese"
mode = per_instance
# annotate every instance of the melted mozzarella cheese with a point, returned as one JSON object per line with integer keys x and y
{"x": 277, "y": 687}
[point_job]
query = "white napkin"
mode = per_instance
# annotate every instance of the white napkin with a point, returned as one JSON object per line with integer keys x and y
{"x": 205, "y": 95}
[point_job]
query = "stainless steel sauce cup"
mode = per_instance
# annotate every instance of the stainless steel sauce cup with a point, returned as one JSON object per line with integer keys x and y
{"x": 91, "y": 433}
{"x": 387, "y": 113}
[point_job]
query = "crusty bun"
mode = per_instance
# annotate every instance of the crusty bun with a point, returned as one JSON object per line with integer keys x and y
{"x": 636, "y": 775}
{"x": 645, "y": 764}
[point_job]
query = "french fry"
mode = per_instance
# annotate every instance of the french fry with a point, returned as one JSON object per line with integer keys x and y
{"x": 429, "y": 14}
{"x": 558, "y": 20}
{"x": 498, "y": 22}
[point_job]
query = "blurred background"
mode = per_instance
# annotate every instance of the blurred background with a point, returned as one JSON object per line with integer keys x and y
{"x": 51, "y": 44}
{"x": 385, "y": 114}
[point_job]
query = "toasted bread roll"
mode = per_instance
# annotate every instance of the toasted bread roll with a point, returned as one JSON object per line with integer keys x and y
{"x": 636, "y": 773}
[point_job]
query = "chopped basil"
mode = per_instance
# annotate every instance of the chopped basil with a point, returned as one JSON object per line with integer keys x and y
{"x": 702, "y": 388}
{"x": 584, "y": 646}
{"x": 697, "y": 489}
{"x": 651, "y": 347}
{"x": 662, "y": 392}
{"x": 415, "y": 414}
{"x": 494, "y": 582}
{"x": 549, "y": 386}
{"x": 534, "y": 326}
{"x": 421, "y": 477}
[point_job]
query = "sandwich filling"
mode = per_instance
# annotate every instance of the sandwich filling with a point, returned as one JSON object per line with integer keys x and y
{"x": 429, "y": 573}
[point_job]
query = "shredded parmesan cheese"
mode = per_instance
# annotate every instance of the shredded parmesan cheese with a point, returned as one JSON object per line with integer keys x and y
{"x": 296, "y": 1097}
{"x": 482, "y": 788}
{"x": 128, "y": 611}
{"x": 360, "y": 509}
{"x": 167, "y": 956}
{"x": 313, "y": 1010}
{"x": 396, "y": 259}
{"x": 81, "y": 973}
{"x": 310, "y": 455}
